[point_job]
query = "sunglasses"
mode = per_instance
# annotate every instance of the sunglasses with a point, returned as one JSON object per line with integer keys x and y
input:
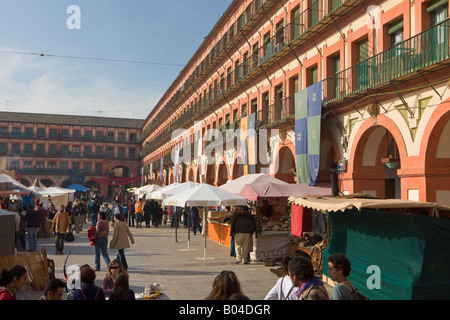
{"x": 114, "y": 267}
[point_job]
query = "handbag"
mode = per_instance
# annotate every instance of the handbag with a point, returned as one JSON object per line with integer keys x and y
{"x": 69, "y": 237}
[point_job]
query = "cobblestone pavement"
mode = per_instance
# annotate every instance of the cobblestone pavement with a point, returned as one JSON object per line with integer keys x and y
{"x": 165, "y": 255}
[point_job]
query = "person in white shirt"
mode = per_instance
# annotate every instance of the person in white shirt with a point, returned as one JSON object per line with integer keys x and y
{"x": 283, "y": 288}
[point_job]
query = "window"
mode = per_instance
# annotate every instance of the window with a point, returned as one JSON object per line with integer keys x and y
{"x": 76, "y": 134}
{"x": 64, "y": 166}
{"x": 65, "y": 150}
{"x": 15, "y": 165}
{"x": 52, "y": 149}
{"x": 295, "y": 21}
{"x": 28, "y": 149}
{"x": 29, "y": 133}
{"x": 16, "y": 132}
{"x": 3, "y": 148}
{"x": 53, "y": 133}
{"x": 111, "y": 136}
{"x": 88, "y": 134}
{"x": 99, "y": 151}
{"x": 121, "y": 152}
{"x": 40, "y": 149}
{"x": 88, "y": 167}
{"x": 98, "y": 168}
{"x": 132, "y": 153}
{"x": 121, "y": 136}
{"x": 110, "y": 152}
{"x": 65, "y": 133}
{"x": 15, "y": 148}
{"x": 76, "y": 151}
{"x": 99, "y": 135}
{"x": 395, "y": 33}
{"x": 132, "y": 137}
{"x": 41, "y": 132}
{"x": 312, "y": 76}
{"x": 362, "y": 67}
{"x": 334, "y": 66}
{"x": 280, "y": 35}
{"x": 88, "y": 151}
{"x": 3, "y": 131}
{"x": 438, "y": 14}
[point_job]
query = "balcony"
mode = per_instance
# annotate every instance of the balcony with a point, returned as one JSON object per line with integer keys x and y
{"x": 286, "y": 38}
{"x": 426, "y": 50}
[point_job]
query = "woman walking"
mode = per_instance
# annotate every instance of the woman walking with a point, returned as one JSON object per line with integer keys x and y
{"x": 102, "y": 232}
{"x": 120, "y": 238}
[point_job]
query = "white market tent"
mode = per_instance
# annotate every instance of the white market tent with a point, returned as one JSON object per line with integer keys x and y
{"x": 157, "y": 193}
{"x": 178, "y": 189}
{"x": 17, "y": 187}
{"x": 58, "y": 195}
{"x": 236, "y": 185}
{"x": 205, "y": 195}
{"x": 145, "y": 190}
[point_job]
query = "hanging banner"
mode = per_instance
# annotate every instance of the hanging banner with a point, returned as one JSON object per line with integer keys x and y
{"x": 314, "y": 121}
{"x": 161, "y": 162}
{"x": 308, "y": 115}
{"x": 116, "y": 181}
{"x": 176, "y": 162}
{"x": 301, "y": 136}
{"x": 251, "y": 134}
{"x": 243, "y": 139}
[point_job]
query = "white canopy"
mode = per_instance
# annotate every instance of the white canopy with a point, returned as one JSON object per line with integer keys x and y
{"x": 146, "y": 189}
{"x": 205, "y": 195}
{"x": 17, "y": 187}
{"x": 157, "y": 193}
{"x": 58, "y": 195}
{"x": 175, "y": 190}
{"x": 236, "y": 185}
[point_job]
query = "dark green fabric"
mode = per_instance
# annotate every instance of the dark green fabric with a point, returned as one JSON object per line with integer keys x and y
{"x": 411, "y": 250}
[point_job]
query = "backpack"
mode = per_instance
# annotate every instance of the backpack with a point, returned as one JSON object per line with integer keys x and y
{"x": 356, "y": 295}
{"x": 91, "y": 235}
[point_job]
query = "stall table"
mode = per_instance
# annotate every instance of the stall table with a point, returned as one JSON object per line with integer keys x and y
{"x": 270, "y": 244}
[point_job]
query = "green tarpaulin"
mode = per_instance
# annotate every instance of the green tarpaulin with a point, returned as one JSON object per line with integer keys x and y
{"x": 408, "y": 253}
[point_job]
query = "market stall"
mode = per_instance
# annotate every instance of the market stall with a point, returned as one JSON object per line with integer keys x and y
{"x": 273, "y": 217}
{"x": 398, "y": 248}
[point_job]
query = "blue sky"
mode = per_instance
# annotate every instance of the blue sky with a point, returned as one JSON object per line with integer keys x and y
{"x": 163, "y": 33}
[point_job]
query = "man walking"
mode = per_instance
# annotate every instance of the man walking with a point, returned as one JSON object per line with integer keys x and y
{"x": 61, "y": 225}
{"x": 243, "y": 226}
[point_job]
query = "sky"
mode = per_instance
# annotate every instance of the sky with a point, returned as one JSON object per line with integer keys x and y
{"x": 109, "y": 58}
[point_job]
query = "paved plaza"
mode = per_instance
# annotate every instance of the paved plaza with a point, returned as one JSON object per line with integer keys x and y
{"x": 166, "y": 256}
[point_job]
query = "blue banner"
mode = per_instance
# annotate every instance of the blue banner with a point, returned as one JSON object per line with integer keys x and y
{"x": 308, "y": 113}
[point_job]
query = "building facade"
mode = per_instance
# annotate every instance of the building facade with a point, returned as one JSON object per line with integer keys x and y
{"x": 382, "y": 73}
{"x": 59, "y": 150}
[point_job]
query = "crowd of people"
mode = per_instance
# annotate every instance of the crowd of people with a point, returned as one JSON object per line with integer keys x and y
{"x": 297, "y": 282}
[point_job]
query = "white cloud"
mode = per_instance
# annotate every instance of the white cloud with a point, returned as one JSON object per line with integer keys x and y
{"x": 46, "y": 85}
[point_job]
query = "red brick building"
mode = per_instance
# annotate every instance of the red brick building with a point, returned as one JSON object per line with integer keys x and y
{"x": 97, "y": 152}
